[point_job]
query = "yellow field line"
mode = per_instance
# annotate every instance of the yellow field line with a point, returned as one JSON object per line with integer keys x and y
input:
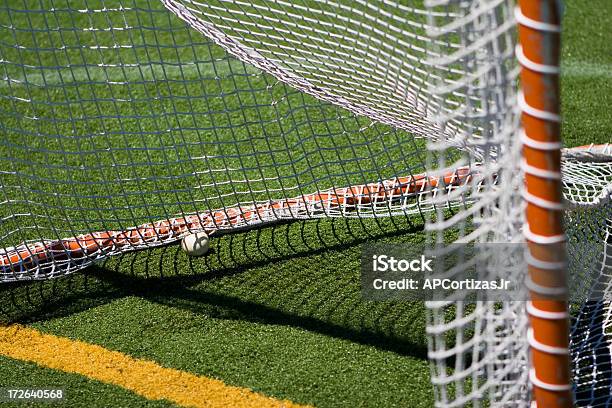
{"x": 142, "y": 377}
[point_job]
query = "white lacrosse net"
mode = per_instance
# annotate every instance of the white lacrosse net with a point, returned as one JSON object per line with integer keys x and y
{"x": 589, "y": 230}
{"x": 478, "y": 349}
{"x": 127, "y": 128}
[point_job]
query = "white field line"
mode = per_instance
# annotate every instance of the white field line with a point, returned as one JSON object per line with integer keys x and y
{"x": 582, "y": 69}
{"x": 192, "y": 71}
{"x": 118, "y": 74}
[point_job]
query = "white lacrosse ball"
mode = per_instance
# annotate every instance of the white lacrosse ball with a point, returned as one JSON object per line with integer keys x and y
{"x": 196, "y": 244}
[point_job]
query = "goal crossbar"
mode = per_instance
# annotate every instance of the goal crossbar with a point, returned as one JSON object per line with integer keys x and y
{"x": 47, "y": 259}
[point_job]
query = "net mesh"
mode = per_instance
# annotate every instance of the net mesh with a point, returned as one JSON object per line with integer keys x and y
{"x": 117, "y": 114}
{"x": 589, "y": 230}
{"x": 478, "y": 349}
{"x": 128, "y": 124}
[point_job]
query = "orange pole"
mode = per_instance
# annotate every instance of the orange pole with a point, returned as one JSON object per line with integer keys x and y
{"x": 538, "y": 52}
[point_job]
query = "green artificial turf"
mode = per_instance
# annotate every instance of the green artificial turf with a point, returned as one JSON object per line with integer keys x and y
{"x": 277, "y": 309}
{"x": 79, "y": 391}
{"x": 586, "y": 81}
{"x": 288, "y": 322}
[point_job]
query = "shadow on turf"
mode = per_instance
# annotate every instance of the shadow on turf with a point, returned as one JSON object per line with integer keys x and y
{"x": 243, "y": 278}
